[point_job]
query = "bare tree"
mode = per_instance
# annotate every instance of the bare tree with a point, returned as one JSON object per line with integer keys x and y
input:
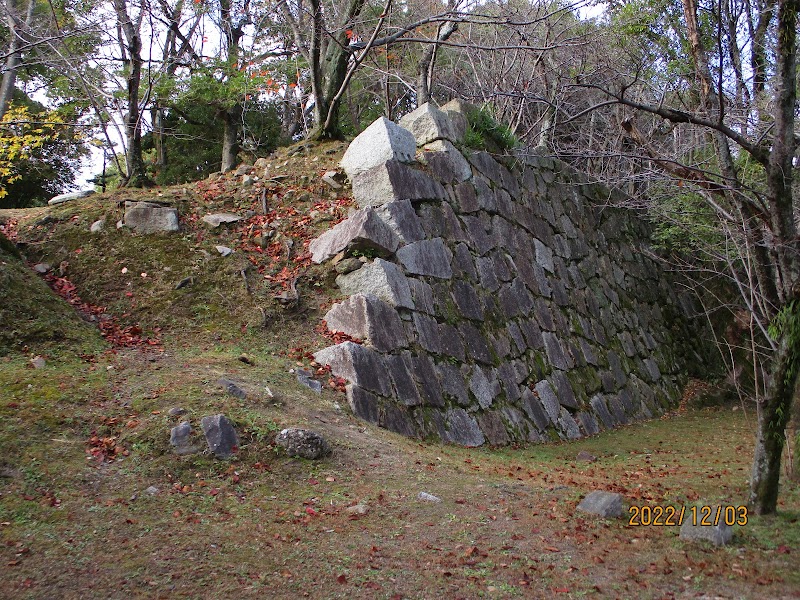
{"x": 129, "y": 36}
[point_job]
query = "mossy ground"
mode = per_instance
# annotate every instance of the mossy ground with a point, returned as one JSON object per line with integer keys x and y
{"x": 83, "y": 438}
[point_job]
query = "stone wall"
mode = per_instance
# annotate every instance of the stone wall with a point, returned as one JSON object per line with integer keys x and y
{"x": 506, "y": 299}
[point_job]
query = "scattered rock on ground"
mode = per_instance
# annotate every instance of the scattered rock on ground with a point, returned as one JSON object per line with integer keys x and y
{"x": 180, "y": 439}
{"x": 334, "y": 179}
{"x": 358, "y": 509}
{"x": 220, "y": 435}
{"x": 224, "y": 250}
{"x": 217, "y": 219}
{"x": 98, "y": 226}
{"x": 585, "y": 456}
{"x": 602, "y": 504}
{"x": 426, "y": 497}
{"x": 176, "y": 411}
{"x": 303, "y": 443}
{"x": 719, "y": 534}
{"x": 307, "y": 379}
{"x": 61, "y": 198}
{"x": 184, "y": 282}
{"x": 42, "y": 268}
{"x": 232, "y": 388}
{"x": 247, "y": 359}
{"x": 38, "y": 363}
{"x": 152, "y": 490}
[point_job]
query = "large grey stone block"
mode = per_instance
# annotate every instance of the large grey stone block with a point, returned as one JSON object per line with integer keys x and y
{"x": 380, "y": 142}
{"x": 422, "y": 295}
{"x": 430, "y": 388}
{"x": 532, "y": 405}
{"x": 427, "y": 257}
{"x": 427, "y": 123}
{"x": 515, "y": 300}
{"x": 556, "y": 355}
{"x": 462, "y": 429}
{"x": 401, "y": 372}
{"x": 600, "y": 409}
{"x": 365, "y": 405}
{"x": 427, "y": 332}
{"x": 397, "y": 418}
{"x": 493, "y": 427}
{"x": 146, "y": 217}
{"x": 446, "y": 162}
{"x": 475, "y": 343}
{"x": 458, "y": 110}
{"x": 360, "y": 365}
{"x": 466, "y": 197}
{"x": 365, "y": 229}
{"x": 392, "y": 180}
{"x": 453, "y": 383}
{"x": 544, "y": 391}
{"x": 451, "y": 343}
{"x": 485, "y": 388}
{"x": 401, "y": 218}
{"x": 379, "y": 278}
{"x": 603, "y": 504}
{"x": 369, "y": 319}
{"x": 564, "y": 391}
{"x": 467, "y": 301}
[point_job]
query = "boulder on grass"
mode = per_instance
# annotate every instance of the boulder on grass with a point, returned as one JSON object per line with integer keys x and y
{"x": 303, "y": 443}
{"x": 147, "y": 217}
{"x": 220, "y": 435}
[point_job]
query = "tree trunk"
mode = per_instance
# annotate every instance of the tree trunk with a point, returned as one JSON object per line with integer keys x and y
{"x": 329, "y": 70}
{"x": 157, "y": 116}
{"x": 14, "y": 57}
{"x": 773, "y": 416}
{"x": 428, "y": 61}
{"x": 131, "y": 47}
{"x": 230, "y": 138}
{"x": 775, "y": 407}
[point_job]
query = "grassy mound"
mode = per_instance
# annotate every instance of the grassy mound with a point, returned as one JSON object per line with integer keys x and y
{"x": 31, "y": 315}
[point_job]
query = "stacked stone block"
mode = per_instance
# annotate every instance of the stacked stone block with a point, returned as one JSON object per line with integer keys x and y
{"x": 509, "y": 299}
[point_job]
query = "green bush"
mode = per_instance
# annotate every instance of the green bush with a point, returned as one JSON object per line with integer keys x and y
{"x": 485, "y": 133}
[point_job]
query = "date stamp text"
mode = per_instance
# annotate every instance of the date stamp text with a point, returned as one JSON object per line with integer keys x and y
{"x": 670, "y": 516}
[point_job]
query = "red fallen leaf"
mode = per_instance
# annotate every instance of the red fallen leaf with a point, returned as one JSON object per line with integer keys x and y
{"x": 372, "y": 585}
{"x": 561, "y": 590}
{"x": 310, "y": 511}
{"x": 783, "y": 550}
{"x": 552, "y": 549}
{"x": 341, "y": 579}
{"x": 13, "y": 563}
{"x": 12, "y": 405}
